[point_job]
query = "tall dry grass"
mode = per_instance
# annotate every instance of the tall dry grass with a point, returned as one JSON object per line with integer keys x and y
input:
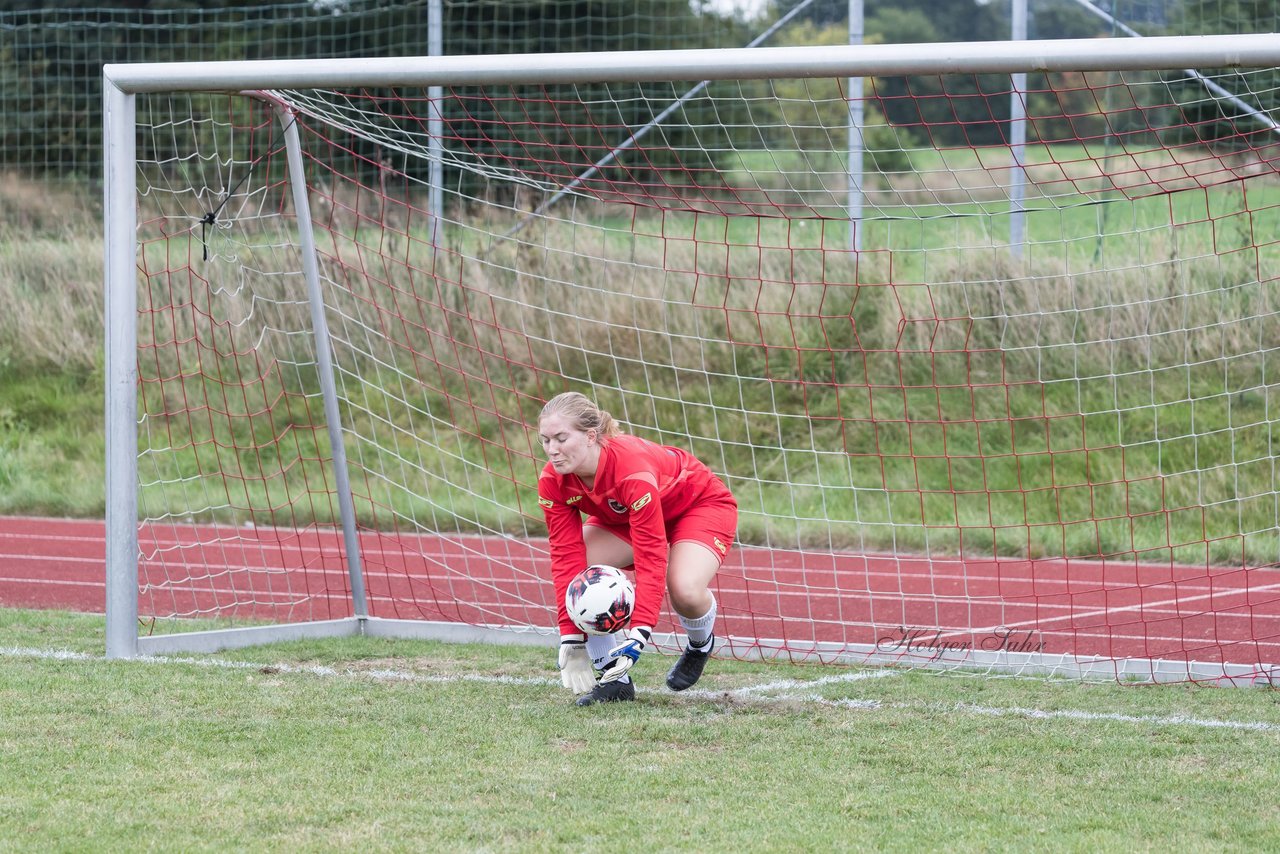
{"x": 574, "y": 292}
{"x": 50, "y": 276}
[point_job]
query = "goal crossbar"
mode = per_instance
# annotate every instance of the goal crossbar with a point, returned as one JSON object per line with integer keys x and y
{"x": 1000, "y": 57}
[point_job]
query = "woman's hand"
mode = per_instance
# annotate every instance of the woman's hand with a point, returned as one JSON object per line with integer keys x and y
{"x": 576, "y": 672}
{"x": 624, "y": 655}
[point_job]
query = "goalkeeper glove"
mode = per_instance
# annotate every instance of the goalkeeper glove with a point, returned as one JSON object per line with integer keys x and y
{"x": 576, "y": 672}
{"x": 626, "y": 654}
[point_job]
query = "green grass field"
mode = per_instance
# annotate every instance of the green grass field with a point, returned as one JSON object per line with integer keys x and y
{"x": 411, "y": 746}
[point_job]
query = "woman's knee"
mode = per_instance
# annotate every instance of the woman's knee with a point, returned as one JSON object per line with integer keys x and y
{"x": 689, "y": 574}
{"x": 687, "y": 595}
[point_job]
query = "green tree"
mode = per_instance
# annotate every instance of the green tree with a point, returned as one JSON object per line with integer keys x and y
{"x": 1214, "y": 119}
{"x": 815, "y": 113}
{"x": 555, "y": 132}
{"x": 1226, "y": 16}
{"x": 1063, "y": 20}
{"x": 53, "y": 68}
{"x": 952, "y": 109}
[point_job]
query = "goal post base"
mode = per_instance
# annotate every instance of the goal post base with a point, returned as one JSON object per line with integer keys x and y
{"x": 748, "y": 649}
{"x": 218, "y": 640}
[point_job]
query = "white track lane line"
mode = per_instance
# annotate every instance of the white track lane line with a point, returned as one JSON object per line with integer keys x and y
{"x": 791, "y": 691}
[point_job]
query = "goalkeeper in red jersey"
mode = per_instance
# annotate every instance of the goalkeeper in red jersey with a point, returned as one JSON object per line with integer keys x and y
{"x": 648, "y": 505}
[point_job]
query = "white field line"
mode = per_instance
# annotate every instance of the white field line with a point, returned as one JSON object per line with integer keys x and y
{"x": 309, "y": 670}
{"x": 55, "y": 582}
{"x": 782, "y": 686}
{"x": 790, "y": 691}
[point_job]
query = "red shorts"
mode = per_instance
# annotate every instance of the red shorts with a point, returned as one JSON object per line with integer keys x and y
{"x": 712, "y": 522}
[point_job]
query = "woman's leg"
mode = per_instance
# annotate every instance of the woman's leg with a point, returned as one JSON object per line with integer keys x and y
{"x": 689, "y": 575}
{"x": 603, "y": 546}
{"x": 701, "y": 539}
{"x": 689, "y": 572}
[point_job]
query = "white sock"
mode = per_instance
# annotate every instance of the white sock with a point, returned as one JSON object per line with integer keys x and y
{"x": 598, "y": 647}
{"x": 699, "y": 629}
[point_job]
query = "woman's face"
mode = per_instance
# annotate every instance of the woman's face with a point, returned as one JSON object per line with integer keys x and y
{"x": 568, "y": 449}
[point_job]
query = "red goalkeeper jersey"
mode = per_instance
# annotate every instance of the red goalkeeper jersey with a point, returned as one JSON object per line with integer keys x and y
{"x": 640, "y": 485}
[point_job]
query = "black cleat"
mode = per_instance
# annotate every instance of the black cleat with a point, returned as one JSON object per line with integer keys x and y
{"x": 609, "y": 692}
{"x": 688, "y": 669}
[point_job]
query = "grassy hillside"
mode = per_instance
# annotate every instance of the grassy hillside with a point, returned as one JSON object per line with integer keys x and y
{"x": 51, "y": 443}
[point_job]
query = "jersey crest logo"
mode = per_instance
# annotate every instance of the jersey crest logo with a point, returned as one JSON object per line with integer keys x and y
{"x": 641, "y": 501}
{"x": 617, "y": 506}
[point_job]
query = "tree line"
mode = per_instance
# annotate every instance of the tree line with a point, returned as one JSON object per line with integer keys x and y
{"x": 53, "y": 52}
{"x": 52, "y": 57}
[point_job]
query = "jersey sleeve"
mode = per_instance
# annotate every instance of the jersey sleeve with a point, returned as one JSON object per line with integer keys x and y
{"x": 639, "y": 492}
{"x": 568, "y": 551}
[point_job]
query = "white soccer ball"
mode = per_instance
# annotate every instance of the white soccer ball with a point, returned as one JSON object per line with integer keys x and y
{"x": 600, "y": 599}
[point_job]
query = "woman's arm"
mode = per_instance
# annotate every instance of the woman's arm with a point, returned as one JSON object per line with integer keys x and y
{"x": 568, "y": 552}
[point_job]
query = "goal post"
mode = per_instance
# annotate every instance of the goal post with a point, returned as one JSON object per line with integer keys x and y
{"x": 338, "y": 292}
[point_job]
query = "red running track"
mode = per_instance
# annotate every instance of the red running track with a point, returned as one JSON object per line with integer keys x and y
{"x": 1110, "y": 609}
